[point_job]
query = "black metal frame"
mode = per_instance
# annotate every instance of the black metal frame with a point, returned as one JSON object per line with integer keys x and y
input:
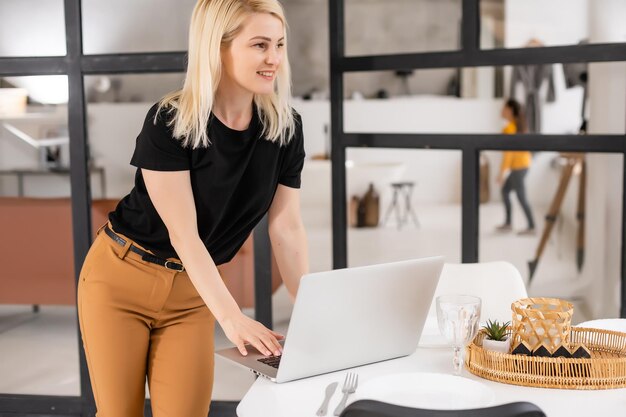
{"x": 470, "y": 55}
{"x": 76, "y": 65}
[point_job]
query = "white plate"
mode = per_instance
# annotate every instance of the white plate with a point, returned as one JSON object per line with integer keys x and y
{"x": 427, "y": 390}
{"x": 617, "y": 325}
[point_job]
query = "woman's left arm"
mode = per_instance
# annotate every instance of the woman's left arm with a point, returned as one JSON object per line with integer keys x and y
{"x": 288, "y": 237}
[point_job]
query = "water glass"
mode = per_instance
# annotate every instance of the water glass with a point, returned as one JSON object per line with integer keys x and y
{"x": 458, "y": 317}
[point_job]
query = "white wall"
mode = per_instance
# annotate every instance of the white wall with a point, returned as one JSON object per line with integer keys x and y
{"x": 135, "y": 26}
{"x": 112, "y": 130}
{"x": 32, "y": 27}
{"x": 604, "y": 203}
{"x": 554, "y": 22}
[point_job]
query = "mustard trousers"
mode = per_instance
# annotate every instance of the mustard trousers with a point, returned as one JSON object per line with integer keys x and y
{"x": 140, "y": 320}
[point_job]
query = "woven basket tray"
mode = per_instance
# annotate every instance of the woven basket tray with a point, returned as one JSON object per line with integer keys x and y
{"x": 606, "y": 368}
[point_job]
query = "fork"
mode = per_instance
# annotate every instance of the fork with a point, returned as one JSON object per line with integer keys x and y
{"x": 349, "y": 387}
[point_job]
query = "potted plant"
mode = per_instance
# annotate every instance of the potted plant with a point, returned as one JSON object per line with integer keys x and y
{"x": 497, "y": 337}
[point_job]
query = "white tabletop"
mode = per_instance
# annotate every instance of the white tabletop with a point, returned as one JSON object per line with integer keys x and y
{"x": 617, "y": 325}
{"x": 303, "y": 397}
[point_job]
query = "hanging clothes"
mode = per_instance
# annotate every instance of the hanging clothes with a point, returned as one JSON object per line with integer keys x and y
{"x": 532, "y": 78}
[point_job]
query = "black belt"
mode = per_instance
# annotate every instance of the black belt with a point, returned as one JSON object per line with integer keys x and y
{"x": 148, "y": 257}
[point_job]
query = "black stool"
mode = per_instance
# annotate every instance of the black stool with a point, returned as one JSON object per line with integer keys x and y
{"x": 402, "y": 189}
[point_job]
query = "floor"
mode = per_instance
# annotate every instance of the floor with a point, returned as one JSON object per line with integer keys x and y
{"x": 39, "y": 351}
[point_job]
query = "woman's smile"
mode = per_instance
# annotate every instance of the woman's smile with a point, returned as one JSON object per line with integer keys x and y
{"x": 266, "y": 75}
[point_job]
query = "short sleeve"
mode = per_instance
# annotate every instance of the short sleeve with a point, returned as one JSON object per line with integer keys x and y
{"x": 156, "y": 149}
{"x": 510, "y": 129}
{"x": 294, "y": 157}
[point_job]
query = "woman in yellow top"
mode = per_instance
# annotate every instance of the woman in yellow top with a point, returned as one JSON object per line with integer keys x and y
{"x": 516, "y": 163}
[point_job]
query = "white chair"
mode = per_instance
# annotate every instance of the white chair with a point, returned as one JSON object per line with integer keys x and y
{"x": 498, "y": 284}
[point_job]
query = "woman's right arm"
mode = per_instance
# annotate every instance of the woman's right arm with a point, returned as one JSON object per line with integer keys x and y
{"x": 171, "y": 194}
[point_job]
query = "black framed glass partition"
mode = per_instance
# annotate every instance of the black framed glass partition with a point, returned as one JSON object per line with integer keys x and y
{"x": 604, "y": 134}
{"x": 37, "y": 297}
{"x": 463, "y": 51}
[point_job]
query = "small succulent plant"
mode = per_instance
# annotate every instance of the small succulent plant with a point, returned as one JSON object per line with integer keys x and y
{"x": 496, "y": 330}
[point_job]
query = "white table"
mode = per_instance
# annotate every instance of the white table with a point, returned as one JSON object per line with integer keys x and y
{"x": 303, "y": 397}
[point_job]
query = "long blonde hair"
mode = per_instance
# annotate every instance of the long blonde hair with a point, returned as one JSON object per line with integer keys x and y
{"x": 214, "y": 24}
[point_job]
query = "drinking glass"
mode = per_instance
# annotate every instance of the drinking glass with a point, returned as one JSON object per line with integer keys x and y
{"x": 458, "y": 317}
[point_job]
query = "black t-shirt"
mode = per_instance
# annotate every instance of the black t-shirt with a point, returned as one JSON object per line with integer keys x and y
{"x": 233, "y": 180}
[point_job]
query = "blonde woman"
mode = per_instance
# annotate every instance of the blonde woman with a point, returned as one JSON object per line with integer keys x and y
{"x": 211, "y": 160}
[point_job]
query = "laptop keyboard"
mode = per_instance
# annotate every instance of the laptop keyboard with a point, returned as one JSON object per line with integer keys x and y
{"x": 272, "y": 361}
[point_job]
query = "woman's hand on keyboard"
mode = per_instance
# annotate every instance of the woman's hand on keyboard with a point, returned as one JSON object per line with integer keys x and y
{"x": 242, "y": 330}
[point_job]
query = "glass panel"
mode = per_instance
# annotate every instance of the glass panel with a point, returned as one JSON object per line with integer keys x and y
{"x": 376, "y": 27}
{"x": 401, "y": 83}
{"x": 307, "y": 43}
{"x": 144, "y": 26}
{"x": 417, "y": 211}
{"x": 470, "y": 100}
{"x": 32, "y": 28}
{"x": 38, "y": 327}
{"x": 125, "y": 99}
{"x": 33, "y": 114}
{"x": 573, "y": 252}
{"x": 315, "y": 194}
{"x": 531, "y": 23}
{"x": 131, "y": 88}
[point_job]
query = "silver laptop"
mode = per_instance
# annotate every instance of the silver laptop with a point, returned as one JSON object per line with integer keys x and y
{"x": 351, "y": 317}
